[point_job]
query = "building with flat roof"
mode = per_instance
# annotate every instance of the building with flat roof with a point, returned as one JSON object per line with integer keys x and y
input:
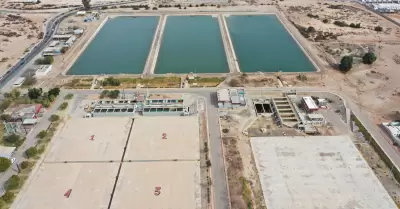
{"x": 43, "y": 70}
{"x": 24, "y": 111}
{"x": 298, "y": 172}
{"x": 62, "y": 37}
{"x": 19, "y": 81}
{"x": 7, "y": 152}
{"x": 231, "y": 98}
{"x": 309, "y": 104}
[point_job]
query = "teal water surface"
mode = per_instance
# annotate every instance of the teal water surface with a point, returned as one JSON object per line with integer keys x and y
{"x": 263, "y": 44}
{"x": 121, "y": 46}
{"x": 191, "y": 44}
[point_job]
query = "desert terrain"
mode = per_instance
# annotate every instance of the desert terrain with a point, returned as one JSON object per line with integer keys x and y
{"x": 18, "y": 34}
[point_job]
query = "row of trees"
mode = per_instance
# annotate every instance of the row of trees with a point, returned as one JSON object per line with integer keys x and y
{"x": 346, "y": 63}
{"x": 111, "y": 94}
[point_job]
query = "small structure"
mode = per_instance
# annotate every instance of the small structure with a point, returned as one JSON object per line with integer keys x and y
{"x": 78, "y": 32}
{"x": 315, "y": 119}
{"x": 231, "y": 98}
{"x": 54, "y": 43}
{"x": 393, "y": 129}
{"x": 25, "y": 1}
{"x": 7, "y": 152}
{"x": 81, "y": 13}
{"x": 323, "y": 103}
{"x": 19, "y": 81}
{"x": 70, "y": 41}
{"x": 62, "y": 37}
{"x": 52, "y": 51}
{"x": 309, "y": 104}
{"x": 43, "y": 70}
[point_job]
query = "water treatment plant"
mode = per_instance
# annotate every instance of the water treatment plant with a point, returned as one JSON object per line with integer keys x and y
{"x": 182, "y": 44}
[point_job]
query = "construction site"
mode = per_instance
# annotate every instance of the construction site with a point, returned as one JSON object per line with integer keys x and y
{"x": 261, "y": 138}
{"x": 141, "y": 162}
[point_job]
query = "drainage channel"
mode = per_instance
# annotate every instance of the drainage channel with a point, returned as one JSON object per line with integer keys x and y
{"x": 120, "y": 165}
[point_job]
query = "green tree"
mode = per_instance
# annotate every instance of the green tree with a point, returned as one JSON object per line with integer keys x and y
{"x": 113, "y": 94}
{"x": 2, "y": 203}
{"x": 48, "y": 60}
{"x": 8, "y": 197}
{"x": 12, "y": 138}
{"x": 54, "y": 118}
{"x": 63, "y": 106}
{"x": 25, "y": 165}
{"x": 31, "y": 152}
{"x": 5, "y": 163}
{"x": 13, "y": 182}
{"x": 42, "y": 134}
{"x": 54, "y": 91}
{"x": 369, "y": 58}
{"x": 346, "y": 63}
{"x": 34, "y": 93}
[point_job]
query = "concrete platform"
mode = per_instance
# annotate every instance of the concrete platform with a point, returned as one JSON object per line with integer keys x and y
{"x": 179, "y": 182}
{"x": 91, "y": 185}
{"x": 181, "y": 138}
{"x": 74, "y": 144}
{"x": 316, "y": 172}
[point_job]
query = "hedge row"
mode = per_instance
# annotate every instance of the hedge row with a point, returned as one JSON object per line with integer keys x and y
{"x": 377, "y": 148}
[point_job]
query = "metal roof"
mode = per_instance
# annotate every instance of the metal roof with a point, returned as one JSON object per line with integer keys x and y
{"x": 310, "y": 103}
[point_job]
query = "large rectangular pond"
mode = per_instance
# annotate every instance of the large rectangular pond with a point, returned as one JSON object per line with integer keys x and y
{"x": 121, "y": 46}
{"x": 191, "y": 44}
{"x": 263, "y": 44}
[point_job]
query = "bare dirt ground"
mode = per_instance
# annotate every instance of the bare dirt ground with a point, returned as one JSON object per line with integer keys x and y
{"x": 394, "y": 16}
{"x": 18, "y": 33}
{"x": 372, "y": 86}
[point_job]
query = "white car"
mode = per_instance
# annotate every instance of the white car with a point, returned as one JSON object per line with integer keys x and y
{"x": 12, "y": 160}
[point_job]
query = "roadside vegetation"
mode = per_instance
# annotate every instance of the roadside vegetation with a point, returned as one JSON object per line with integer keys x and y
{"x": 205, "y": 82}
{"x": 156, "y": 82}
{"x": 78, "y": 83}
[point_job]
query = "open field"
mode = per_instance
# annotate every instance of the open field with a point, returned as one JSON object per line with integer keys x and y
{"x": 91, "y": 185}
{"x": 107, "y": 144}
{"x": 18, "y": 34}
{"x": 181, "y": 138}
{"x": 309, "y": 172}
{"x": 179, "y": 182}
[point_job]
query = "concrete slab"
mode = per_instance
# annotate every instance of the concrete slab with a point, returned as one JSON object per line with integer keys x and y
{"x": 316, "y": 172}
{"x": 74, "y": 142}
{"x": 179, "y": 182}
{"x": 91, "y": 185}
{"x": 181, "y": 139}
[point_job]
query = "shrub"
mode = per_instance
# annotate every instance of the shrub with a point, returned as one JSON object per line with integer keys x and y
{"x": 110, "y": 81}
{"x": 369, "y": 58}
{"x": 31, "y": 152}
{"x": 69, "y": 96}
{"x": 63, "y": 106}
{"x": 325, "y": 21}
{"x": 312, "y": 16}
{"x": 311, "y": 29}
{"x": 378, "y": 28}
{"x": 340, "y": 23}
{"x": 346, "y": 63}
{"x": 13, "y": 182}
{"x": 54, "y": 118}
{"x": 25, "y": 165}
{"x": 8, "y": 197}
{"x": 208, "y": 163}
{"x": 42, "y": 134}
{"x": 5, "y": 163}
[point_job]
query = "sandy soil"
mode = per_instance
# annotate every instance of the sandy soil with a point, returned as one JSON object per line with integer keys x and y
{"x": 372, "y": 86}
{"x": 18, "y": 34}
{"x": 394, "y": 16}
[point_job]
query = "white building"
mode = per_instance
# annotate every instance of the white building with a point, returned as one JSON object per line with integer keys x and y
{"x": 43, "y": 70}
{"x": 70, "y": 41}
{"x": 78, "y": 31}
{"x": 18, "y": 82}
{"x": 315, "y": 119}
{"x": 81, "y": 13}
{"x": 7, "y": 152}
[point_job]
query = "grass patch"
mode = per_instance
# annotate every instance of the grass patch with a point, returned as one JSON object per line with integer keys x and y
{"x": 78, "y": 84}
{"x": 246, "y": 192}
{"x": 157, "y": 82}
{"x": 206, "y": 82}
